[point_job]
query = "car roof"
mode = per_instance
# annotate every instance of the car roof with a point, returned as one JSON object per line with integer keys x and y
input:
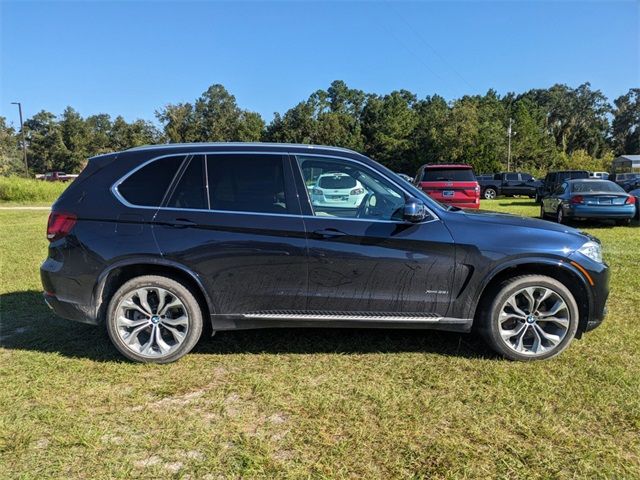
{"x": 587, "y": 180}
{"x": 256, "y": 145}
{"x": 447, "y": 165}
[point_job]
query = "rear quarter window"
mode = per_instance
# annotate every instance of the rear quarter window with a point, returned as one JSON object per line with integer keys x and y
{"x": 147, "y": 186}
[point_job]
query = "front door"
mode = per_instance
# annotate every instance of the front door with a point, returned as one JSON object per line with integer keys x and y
{"x": 240, "y": 231}
{"x": 363, "y": 257}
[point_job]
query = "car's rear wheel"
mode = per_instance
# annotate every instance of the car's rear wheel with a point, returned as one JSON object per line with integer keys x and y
{"x": 154, "y": 319}
{"x": 531, "y": 317}
{"x": 490, "y": 193}
{"x": 560, "y": 216}
{"x": 543, "y": 215}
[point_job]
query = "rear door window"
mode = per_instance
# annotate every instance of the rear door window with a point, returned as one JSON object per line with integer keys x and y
{"x": 147, "y": 186}
{"x": 190, "y": 191}
{"x": 247, "y": 183}
{"x": 448, "y": 175}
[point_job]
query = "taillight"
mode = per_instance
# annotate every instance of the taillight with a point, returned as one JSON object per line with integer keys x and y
{"x": 357, "y": 191}
{"x": 477, "y": 188}
{"x": 577, "y": 199}
{"x": 59, "y": 225}
{"x": 631, "y": 200}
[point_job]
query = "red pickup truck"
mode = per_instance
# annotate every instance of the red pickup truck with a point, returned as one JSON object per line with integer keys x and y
{"x": 56, "y": 177}
{"x": 451, "y": 184}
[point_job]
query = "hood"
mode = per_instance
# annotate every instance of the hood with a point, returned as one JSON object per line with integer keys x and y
{"x": 502, "y": 234}
{"x": 485, "y": 216}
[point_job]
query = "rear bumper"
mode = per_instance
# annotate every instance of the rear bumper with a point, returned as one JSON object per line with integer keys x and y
{"x": 69, "y": 306}
{"x": 603, "y": 212}
{"x": 456, "y": 202}
{"x": 69, "y": 310}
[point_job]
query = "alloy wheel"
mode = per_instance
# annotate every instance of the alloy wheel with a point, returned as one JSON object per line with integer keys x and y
{"x": 534, "y": 321}
{"x": 152, "y": 321}
{"x": 489, "y": 194}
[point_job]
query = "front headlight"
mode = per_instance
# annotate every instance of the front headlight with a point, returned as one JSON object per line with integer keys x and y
{"x": 592, "y": 250}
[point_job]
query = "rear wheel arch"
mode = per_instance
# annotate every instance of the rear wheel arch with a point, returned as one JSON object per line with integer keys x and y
{"x": 115, "y": 276}
{"x": 564, "y": 274}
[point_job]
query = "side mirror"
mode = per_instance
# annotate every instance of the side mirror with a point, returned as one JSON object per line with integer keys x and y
{"x": 414, "y": 210}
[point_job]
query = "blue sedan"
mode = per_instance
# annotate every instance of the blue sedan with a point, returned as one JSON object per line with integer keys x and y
{"x": 589, "y": 199}
{"x": 636, "y": 194}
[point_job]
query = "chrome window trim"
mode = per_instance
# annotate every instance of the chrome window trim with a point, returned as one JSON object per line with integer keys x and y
{"x": 124, "y": 201}
{"x": 121, "y": 199}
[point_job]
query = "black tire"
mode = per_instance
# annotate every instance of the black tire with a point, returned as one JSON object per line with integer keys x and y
{"x": 560, "y": 218}
{"x": 543, "y": 215}
{"x": 495, "y": 300}
{"x": 174, "y": 289}
{"x": 623, "y": 223}
{"x": 490, "y": 193}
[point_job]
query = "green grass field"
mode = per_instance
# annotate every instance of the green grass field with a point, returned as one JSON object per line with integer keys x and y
{"x": 313, "y": 403}
{"x": 28, "y": 191}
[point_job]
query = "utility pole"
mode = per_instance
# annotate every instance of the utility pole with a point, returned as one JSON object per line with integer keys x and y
{"x": 24, "y": 144}
{"x": 509, "y": 133}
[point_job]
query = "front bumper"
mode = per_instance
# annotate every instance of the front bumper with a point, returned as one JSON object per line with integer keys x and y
{"x": 597, "y": 284}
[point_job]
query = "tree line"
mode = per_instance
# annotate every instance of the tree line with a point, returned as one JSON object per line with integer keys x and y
{"x": 556, "y": 127}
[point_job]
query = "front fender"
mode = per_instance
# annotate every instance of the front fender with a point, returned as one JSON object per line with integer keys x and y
{"x": 543, "y": 266}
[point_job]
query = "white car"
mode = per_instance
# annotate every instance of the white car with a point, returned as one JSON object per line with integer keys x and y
{"x": 338, "y": 190}
{"x": 600, "y": 175}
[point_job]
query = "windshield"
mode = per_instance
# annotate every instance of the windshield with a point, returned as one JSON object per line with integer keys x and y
{"x": 448, "y": 175}
{"x": 588, "y": 187}
{"x": 337, "y": 181}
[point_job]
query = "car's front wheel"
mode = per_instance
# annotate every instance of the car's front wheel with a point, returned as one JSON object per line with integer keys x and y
{"x": 154, "y": 319}
{"x": 531, "y": 317}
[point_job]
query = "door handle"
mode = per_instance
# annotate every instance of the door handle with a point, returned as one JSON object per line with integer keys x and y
{"x": 182, "y": 223}
{"x": 329, "y": 233}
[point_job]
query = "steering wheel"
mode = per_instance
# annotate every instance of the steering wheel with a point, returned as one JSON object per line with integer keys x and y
{"x": 363, "y": 208}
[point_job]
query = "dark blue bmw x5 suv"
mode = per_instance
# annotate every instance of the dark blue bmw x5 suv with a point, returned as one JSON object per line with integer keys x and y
{"x": 156, "y": 241}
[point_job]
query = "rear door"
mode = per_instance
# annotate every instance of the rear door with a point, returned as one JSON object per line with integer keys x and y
{"x": 233, "y": 219}
{"x": 512, "y": 184}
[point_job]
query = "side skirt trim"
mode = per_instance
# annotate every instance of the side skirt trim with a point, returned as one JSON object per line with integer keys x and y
{"x": 289, "y": 319}
{"x": 351, "y": 316}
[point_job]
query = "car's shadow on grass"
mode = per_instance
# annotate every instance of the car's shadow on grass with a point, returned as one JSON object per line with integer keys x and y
{"x": 520, "y": 203}
{"x": 26, "y": 323}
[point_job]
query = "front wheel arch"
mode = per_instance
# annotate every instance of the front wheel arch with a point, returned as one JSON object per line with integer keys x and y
{"x": 564, "y": 273}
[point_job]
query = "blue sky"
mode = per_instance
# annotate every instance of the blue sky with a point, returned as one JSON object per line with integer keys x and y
{"x": 131, "y": 58}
